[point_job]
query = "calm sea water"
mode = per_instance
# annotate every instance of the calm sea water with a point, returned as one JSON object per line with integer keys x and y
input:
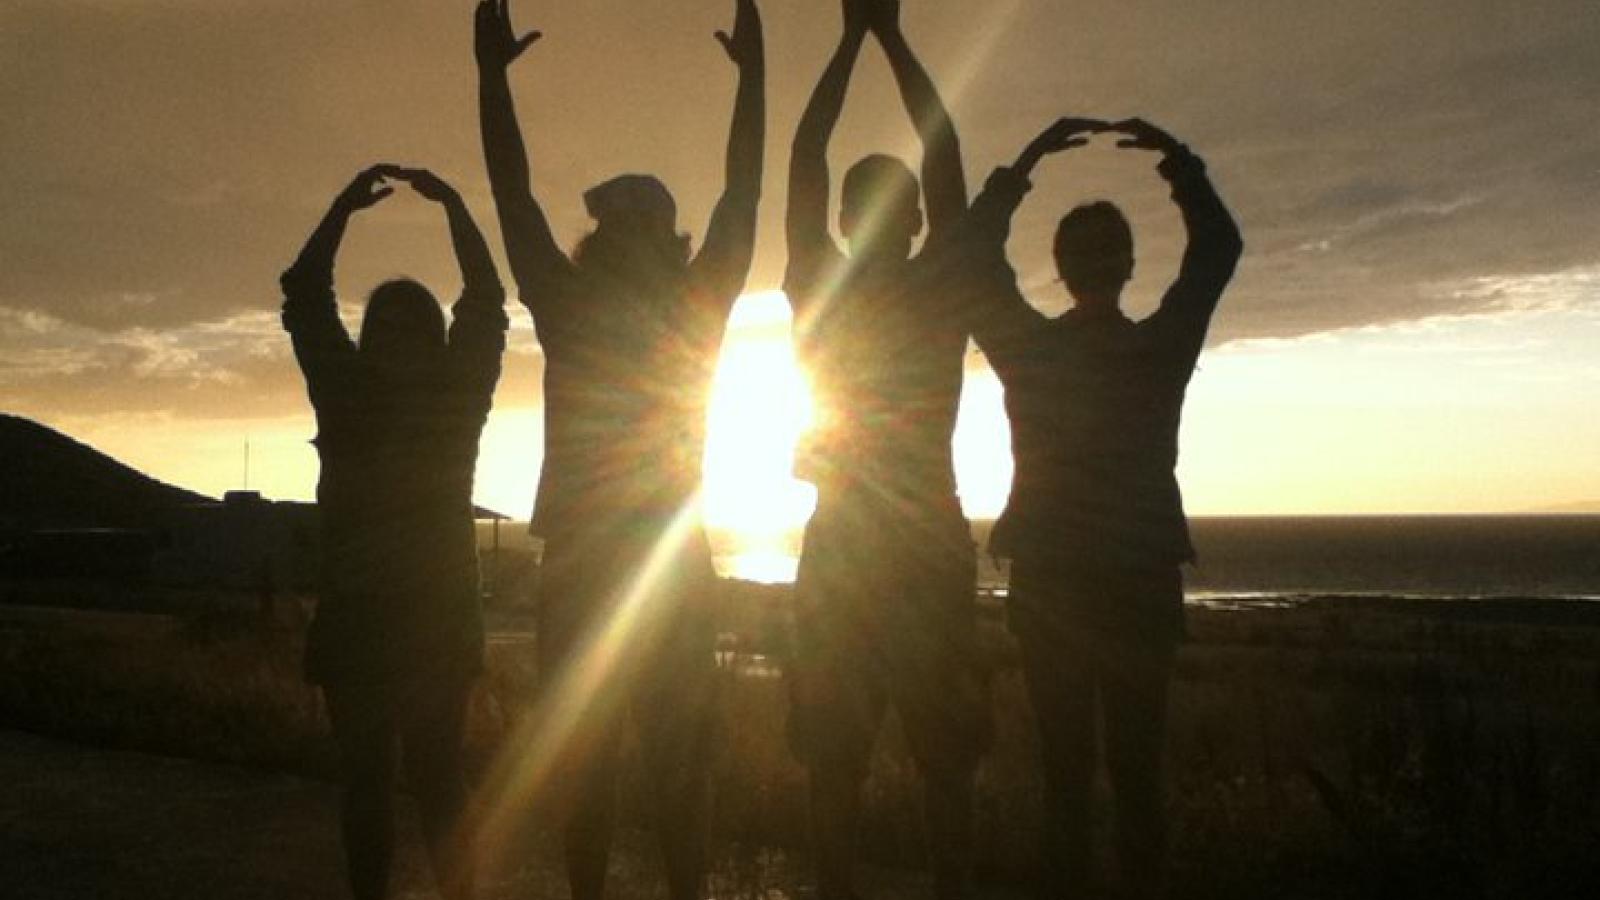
{"x": 1270, "y": 557}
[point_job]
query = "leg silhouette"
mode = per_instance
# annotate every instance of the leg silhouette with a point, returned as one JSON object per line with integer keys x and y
{"x": 363, "y": 726}
{"x": 1135, "y": 688}
{"x": 949, "y": 817}
{"x": 432, "y": 736}
{"x": 675, "y": 710}
{"x": 835, "y": 822}
{"x": 1062, "y": 689}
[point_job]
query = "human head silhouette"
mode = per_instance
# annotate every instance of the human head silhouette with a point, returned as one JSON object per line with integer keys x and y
{"x": 402, "y": 321}
{"x": 881, "y": 213}
{"x": 636, "y": 223}
{"x": 1094, "y": 253}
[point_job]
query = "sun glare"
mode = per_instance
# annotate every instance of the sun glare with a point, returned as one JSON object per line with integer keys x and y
{"x": 759, "y": 408}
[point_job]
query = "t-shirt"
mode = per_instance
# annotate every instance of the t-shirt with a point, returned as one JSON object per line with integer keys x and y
{"x": 628, "y": 371}
{"x": 884, "y": 349}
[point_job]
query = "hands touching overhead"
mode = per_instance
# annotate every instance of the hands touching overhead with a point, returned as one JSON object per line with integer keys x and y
{"x": 857, "y": 18}
{"x": 313, "y": 268}
{"x": 883, "y": 16}
{"x": 367, "y": 189}
{"x": 1141, "y": 135}
{"x": 427, "y": 185}
{"x": 375, "y": 183}
{"x": 1068, "y": 133}
{"x": 1063, "y": 134}
{"x": 879, "y": 17}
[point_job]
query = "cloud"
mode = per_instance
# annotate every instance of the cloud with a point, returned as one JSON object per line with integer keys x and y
{"x": 1370, "y": 151}
{"x": 1575, "y": 290}
{"x": 163, "y": 160}
{"x": 237, "y": 368}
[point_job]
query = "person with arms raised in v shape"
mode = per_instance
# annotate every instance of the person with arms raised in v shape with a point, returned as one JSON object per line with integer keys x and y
{"x": 631, "y": 327}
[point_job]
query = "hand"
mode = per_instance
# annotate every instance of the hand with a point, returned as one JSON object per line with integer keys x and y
{"x": 744, "y": 47}
{"x": 367, "y": 189}
{"x": 427, "y": 185}
{"x": 857, "y": 17}
{"x": 1064, "y": 134}
{"x": 883, "y": 16}
{"x": 1144, "y": 136}
{"x": 493, "y": 40}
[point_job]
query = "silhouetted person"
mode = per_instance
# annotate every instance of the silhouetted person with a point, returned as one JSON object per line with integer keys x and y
{"x": 1095, "y": 526}
{"x": 885, "y": 591}
{"x": 631, "y": 327}
{"x": 397, "y": 640}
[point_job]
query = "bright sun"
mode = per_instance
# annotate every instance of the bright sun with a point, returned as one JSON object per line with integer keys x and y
{"x": 759, "y": 408}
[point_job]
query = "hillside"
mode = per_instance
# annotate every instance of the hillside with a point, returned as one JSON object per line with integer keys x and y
{"x": 49, "y": 480}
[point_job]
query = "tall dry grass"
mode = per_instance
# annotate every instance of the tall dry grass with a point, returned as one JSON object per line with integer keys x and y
{"x": 1329, "y": 750}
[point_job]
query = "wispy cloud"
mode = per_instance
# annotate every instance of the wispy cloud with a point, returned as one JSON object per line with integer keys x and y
{"x": 164, "y": 159}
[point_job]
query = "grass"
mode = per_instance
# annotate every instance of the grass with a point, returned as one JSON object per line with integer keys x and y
{"x": 1342, "y": 748}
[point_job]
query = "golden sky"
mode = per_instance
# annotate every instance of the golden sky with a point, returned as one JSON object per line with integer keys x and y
{"x": 1415, "y": 327}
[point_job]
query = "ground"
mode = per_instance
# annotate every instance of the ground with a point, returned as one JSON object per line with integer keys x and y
{"x": 1331, "y": 748}
{"x": 78, "y": 822}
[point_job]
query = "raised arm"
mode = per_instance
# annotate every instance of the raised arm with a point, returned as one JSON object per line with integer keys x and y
{"x": 536, "y": 260}
{"x": 1002, "y": 320}
{"x": 725, "y": 257}
{"x": 987, "y": 225}
{"x": 810, "y": 244}
{"x": 1215, "y": 244}
{"x": 999, "y": 318}
{"x": 944, "y": 182}
{"x": 310, "y": 312}
{"x": 478, "y": 326}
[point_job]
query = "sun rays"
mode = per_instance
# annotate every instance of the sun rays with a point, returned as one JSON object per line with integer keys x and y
{"x": 521, "y": 775}
{"x": 759, "y": 408}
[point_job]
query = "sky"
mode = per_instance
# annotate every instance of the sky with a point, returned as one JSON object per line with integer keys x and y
{"x": 1415, "y": 326}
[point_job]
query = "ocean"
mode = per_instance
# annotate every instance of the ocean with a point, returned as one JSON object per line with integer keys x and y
{"x": 1281, "y": 558}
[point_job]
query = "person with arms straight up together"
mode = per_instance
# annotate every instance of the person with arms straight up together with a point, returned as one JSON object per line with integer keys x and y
{"x": 397, "y": 640}
{"x": 885, "y": 592}
{"x": 631, "y": 327}
{"x": 1095, "y": 526}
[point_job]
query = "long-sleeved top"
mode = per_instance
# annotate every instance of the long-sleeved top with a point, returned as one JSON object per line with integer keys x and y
{"x": 398, "y": 443}
{"x": 1095, "y": 400}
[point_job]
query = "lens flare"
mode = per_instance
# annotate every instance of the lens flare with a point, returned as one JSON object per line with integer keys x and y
{"x": 520, "y": 774}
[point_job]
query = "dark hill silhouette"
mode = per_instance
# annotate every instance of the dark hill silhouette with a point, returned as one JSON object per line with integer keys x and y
{"x": 49, "y": 480}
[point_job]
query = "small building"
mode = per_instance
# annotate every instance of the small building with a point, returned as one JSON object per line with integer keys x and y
{"x": 244, "y": 542}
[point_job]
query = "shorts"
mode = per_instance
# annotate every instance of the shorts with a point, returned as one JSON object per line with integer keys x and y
{"x": 395, "y": 637}
{"x": 629, "y": 626}
{"x": 885, "y": 612}
{"x": 1134, "y": 606}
